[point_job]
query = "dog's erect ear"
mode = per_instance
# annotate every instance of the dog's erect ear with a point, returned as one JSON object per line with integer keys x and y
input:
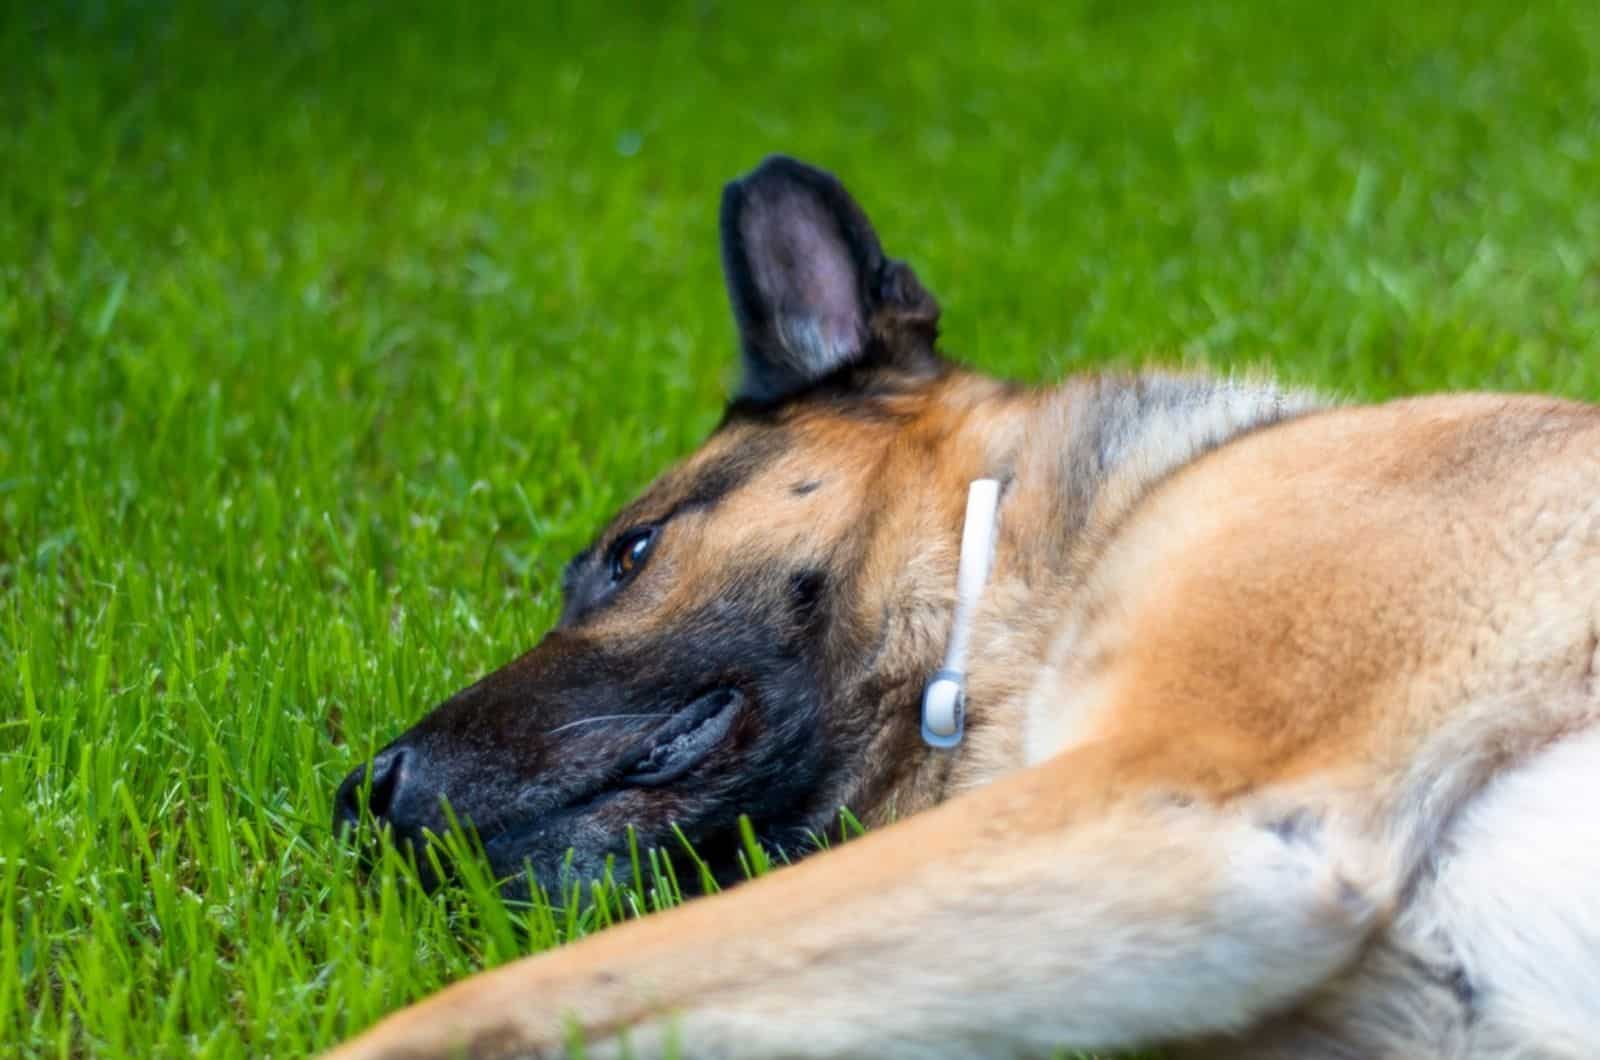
{"x": 811, "y": 289}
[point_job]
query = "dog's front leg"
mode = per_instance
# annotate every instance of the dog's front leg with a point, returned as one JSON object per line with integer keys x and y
{"x": 1054, "y": 909}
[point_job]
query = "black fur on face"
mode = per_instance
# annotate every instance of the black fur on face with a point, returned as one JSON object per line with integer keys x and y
{"x": 682, "y": 689}
{"x": 577, "y": 740}
{"x": 676, "y": 694}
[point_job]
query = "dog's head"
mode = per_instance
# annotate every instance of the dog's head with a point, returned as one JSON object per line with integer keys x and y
{"x": 751, "y": 636}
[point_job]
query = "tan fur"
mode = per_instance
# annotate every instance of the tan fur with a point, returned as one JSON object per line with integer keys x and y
{"x": 1227, "y": 719}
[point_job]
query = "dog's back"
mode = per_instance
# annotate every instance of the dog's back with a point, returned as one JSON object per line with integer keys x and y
{"x": 1454, "y": 564}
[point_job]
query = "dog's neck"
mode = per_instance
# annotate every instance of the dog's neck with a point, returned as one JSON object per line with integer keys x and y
{"x": 1074, "y": 459}
{"x": 1078, "y": 459}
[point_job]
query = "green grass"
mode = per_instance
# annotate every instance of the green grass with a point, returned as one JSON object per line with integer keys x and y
{"x": 325, "y": 337}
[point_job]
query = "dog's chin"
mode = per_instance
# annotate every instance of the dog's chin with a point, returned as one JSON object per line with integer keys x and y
{"x": 518, "y": 878}
{"x": 553, "y": 883}
{"x": 577, "y": 854}
{"x": 554, "y": 878}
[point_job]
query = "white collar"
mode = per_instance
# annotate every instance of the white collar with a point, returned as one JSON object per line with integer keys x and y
{"x": 945, "y": 698}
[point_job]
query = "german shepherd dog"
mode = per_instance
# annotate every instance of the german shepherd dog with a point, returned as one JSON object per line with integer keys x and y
{"x": 1280, "y": 725}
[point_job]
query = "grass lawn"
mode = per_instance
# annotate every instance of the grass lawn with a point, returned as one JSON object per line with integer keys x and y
{"x": 327, "y": 332}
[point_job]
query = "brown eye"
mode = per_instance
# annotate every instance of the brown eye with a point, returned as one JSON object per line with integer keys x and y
{"x": 630, "y": 552}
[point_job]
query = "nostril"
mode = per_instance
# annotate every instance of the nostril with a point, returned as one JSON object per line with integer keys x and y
{"x": 385, "y": 772}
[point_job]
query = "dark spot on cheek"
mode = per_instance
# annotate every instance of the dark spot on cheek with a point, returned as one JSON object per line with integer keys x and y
{"x": 806, "y": 589}
{"x": 800, "y": 489}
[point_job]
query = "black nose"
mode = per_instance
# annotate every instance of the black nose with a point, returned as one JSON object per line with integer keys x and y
{"x": 388, "y": 772}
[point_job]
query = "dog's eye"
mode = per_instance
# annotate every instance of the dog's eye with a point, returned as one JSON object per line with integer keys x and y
{"x": 630, "y": 552}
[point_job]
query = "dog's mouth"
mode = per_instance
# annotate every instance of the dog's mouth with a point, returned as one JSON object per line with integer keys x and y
{"x": 667, "y": 753}
{"x": 682, "y": 742}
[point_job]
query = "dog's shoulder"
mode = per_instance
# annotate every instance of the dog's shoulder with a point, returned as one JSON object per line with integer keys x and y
{"x": 1309, "y": 568}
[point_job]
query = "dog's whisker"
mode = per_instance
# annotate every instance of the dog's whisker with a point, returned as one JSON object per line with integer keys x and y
{"x": 606, "y": 717}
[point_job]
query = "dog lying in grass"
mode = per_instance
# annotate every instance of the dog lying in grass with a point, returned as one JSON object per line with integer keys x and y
{"x": 1215, "y": 716}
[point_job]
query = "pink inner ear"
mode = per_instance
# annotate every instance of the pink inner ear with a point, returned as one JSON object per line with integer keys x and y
{"x": 803, "y": 270}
